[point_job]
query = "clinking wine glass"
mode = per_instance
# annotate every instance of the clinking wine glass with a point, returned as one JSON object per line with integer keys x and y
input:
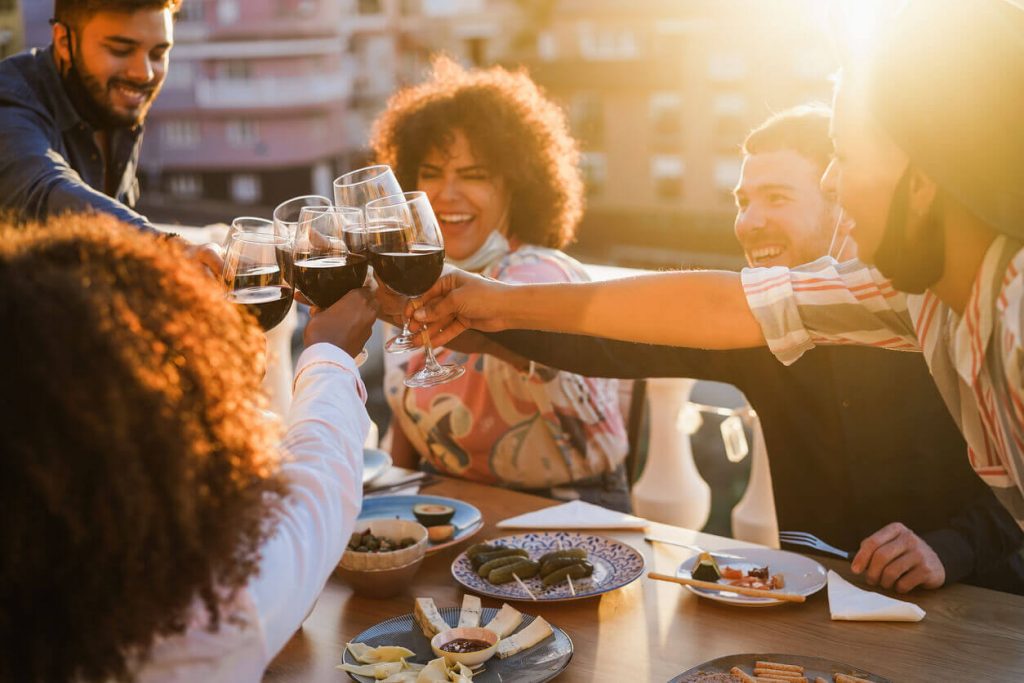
{"x": 257, "y": 272}
{"x": 407, "y": 253}
{"x": 325, "y": 268}
{"x": 358, "y": 188}
{"x": 286, "y": 215}
{"x": 249, "y": 224}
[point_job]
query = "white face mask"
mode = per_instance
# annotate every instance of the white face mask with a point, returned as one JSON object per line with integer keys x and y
{"x": 493, "y": 248}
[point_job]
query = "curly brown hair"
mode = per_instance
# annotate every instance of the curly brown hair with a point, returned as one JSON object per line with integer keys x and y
{"x": 137, "y": 473}
{"x": 515, "y": 130}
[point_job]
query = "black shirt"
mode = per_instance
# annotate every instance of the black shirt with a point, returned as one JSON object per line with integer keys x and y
{"x": 857, "y": 438}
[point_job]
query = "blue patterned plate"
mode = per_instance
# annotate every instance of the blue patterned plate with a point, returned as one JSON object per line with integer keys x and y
{"x": 467, "y": 519}
{"x": 615, "y": 565}
{"x": 540, "y": 663}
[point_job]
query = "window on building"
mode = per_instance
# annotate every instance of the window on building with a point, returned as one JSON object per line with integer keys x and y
{"x": 185, "y": 185}
{"x": 235, "y": 69}
{"x": 586, "y": 115}
{"x": 667, "y": 172}
{"x": 228, "y": 11}
{"x": 476, "y": 50}
{"x": 606, "y": 42}
{"x": 727, "y": 66}
{"x": 594, "y": 167}
{"x": 181, "y": 134}
{"x": 243, "y": 133}
{"x": 191, "y": 10}
{"x": 666, "y": 111}
{"x": 245, "y": 188}
{"x": 547, "y": 46}
{"x": 297, "y": 8}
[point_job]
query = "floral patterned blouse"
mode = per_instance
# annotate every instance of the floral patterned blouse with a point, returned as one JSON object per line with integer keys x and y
{"x": 498, "y": 425}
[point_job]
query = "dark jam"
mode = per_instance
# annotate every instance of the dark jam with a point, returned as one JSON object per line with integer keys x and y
{"x": 464, "y": 645}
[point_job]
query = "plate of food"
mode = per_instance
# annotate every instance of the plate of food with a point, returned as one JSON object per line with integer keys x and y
{"x": 375, "y": 463}
{"x": 468, "y": 644}
{"x": 548, "y": 566}
{"x": 448, "y": 521}
{"x": 762, "y": 569}
{"x": 750, "y": 667}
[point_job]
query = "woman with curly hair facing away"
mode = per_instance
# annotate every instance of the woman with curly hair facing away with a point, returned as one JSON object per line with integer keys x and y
{"x": 154, "y": 525}
{"x": 496, "y": 160}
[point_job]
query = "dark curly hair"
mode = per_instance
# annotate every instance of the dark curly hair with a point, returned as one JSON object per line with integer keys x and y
{"x": 73, "y": 11}
{"x": 137, "y": 474}
{"x": 517, "y": 132}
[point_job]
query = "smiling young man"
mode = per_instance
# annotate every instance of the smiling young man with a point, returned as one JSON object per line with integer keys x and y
{"x": 832, "y": 422}
{"x": 71, "y": 114}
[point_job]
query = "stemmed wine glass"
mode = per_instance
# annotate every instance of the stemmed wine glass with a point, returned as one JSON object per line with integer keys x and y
{"x": 407, "y": 253}
{"x": 358, "y": 188}
{"x": 325, "y": 268}
{"x": 249, "y": 224}
{"x": 286, "y": 215}
{"x": 257, "y": 272}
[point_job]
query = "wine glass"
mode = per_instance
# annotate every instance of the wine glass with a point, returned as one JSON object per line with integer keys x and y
{"x": 249, "y": 224}
{"x": 407, "y": 253}
{"x": 286, "y": 215}
{"x": 257, "y": 272}
{"x": 358, "y": 188}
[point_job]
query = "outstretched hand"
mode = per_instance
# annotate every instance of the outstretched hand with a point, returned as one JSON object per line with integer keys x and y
{"x": 459, "y": 301}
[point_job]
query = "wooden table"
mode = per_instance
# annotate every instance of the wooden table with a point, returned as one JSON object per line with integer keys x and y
{"x": 652, "y": 631}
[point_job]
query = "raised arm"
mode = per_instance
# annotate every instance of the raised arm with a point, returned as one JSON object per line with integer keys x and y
{"x": 704, "y": 309}
{"x": 37, "y": 181}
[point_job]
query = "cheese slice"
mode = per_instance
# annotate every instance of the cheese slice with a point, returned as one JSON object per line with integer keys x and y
{"x": 428, "y": 618}
{"x": 379, "y": 671}
{"x": 434, "y": 672}
{"x": 505, "y": 621}
{"x": 469, "y": 616}
{"x": 365, "y": 654}
{"x": 537, "y": 631}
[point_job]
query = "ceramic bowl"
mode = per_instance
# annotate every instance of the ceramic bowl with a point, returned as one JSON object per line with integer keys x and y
{"x": 380, "y": 583}
{"x": 468, "y": 658}
{"x": 395, "y": 529}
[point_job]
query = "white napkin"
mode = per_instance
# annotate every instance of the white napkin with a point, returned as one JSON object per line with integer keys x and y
{"x": 849, "y": 603}
{"x": 574, "y": 515}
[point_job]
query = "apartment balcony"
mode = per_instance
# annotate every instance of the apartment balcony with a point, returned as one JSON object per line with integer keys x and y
{"x": 272, "y": 92}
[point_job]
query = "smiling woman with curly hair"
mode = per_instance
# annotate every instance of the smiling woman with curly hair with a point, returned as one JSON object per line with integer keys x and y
{"x": 142, "y": 483}
{"x": 496, "y": 159}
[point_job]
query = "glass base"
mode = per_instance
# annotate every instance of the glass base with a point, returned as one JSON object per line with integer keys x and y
{"x": 430, "y": 378}
{"x": 399, "y": 344}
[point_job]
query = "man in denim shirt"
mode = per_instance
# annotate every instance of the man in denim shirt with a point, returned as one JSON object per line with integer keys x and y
{"x": 71, "y": 115}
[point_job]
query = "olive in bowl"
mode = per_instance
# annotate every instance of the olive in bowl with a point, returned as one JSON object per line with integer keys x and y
{"x": 470, "y": 646}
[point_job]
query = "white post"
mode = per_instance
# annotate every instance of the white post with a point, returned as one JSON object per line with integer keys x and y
{"x": 754, "y": 518}
{"x": 671, "y": 490}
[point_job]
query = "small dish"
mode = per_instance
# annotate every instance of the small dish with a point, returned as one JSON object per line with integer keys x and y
{"x": 380, "y": 583}
{"x": 395, "y": 529}
{"x": 470, "y": 659}
{"x": 803, "y": 575}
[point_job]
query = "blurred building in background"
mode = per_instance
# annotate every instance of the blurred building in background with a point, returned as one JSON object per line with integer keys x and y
{"x": 268, "y": 99}
{"x": 12, "y": 31}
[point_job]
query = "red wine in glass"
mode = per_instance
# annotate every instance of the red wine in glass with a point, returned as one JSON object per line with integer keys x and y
{"x": 269, "y": 303}
{"x": 325, "y": 279}
{"x": 410, "y": 272}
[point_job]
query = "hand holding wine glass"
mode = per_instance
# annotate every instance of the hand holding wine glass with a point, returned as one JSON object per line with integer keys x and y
{"x": 257, "y": 272}
{"x": 460, "y": 301}
{"x": 347, "y": 324}
{"x": 407, "y": 253}
{"x": 325, "y": 268}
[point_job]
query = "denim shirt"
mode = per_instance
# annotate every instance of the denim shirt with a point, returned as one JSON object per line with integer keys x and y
{"x": 49, "y": 160}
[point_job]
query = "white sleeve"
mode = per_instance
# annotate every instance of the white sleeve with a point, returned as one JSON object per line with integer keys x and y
{"x": 323, "y": 449}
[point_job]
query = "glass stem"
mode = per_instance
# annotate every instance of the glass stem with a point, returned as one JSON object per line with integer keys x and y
{"x": 430, "y": 363}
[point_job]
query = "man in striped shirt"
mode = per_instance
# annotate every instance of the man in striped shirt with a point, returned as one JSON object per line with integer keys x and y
{"x": 929, "y": 156}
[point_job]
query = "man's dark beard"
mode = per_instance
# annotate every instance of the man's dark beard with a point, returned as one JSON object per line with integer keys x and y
{"x": 82, "y": 88}
{"x": 914, "y": 266}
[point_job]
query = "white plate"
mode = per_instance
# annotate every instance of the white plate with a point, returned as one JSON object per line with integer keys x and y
{"x": 375, "y": 463}
{"x": 803, "y": 575}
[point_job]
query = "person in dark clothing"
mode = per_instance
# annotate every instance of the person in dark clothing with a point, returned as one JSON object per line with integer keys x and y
{"x": 71, "y": 114}
{"x": 877, "y": 471}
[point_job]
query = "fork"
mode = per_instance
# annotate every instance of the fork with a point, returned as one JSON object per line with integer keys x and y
{"x": 811, "y": 541}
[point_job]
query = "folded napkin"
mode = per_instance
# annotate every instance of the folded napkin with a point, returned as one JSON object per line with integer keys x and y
{"x": 574, "y": 515}
{"x": 849, "y": 603}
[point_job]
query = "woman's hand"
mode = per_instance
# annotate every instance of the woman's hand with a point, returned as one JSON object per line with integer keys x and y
{"x": 459, "y": 301}
{"x": 347, "y": 323}
{"x": 390, "y": 305}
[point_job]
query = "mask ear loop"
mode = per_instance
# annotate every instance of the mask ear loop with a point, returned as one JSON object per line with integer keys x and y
{"x": 832, "y": 252}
